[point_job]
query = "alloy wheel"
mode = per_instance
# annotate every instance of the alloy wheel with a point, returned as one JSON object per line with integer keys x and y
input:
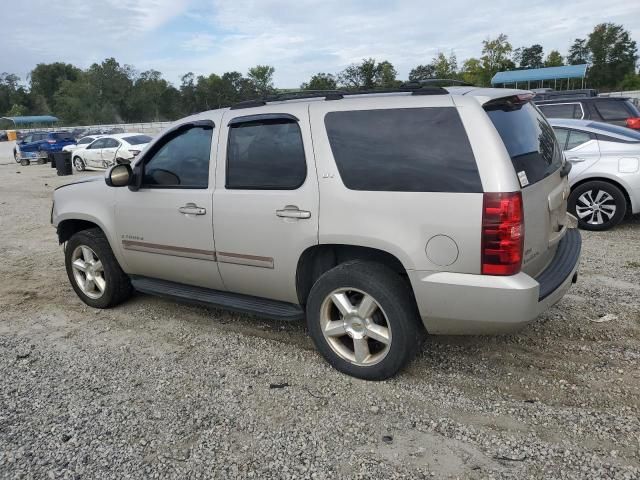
{"x": 88, "y": 272}
{"x": 596, "y": 207}
{"x": 355, "y": 326}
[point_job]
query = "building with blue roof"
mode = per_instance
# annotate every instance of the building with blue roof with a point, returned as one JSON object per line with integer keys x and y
{"x": 536, "y": 77}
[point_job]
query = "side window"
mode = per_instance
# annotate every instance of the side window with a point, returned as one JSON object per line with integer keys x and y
{"x": 265, "y": 155}
{"x": 561, "y": 134}
{"x": 97, "y": 144}
{"x": 111, "y": 143}
{"x": 84, "y": 141}
{"x": 181, "y": 160}
{"x": 28, "y": 139}
{"x": 561, "y": 110}
{"x": 612, "y": 110}
{"x": 403, "y": 150}
{"x": 577, "y": 138}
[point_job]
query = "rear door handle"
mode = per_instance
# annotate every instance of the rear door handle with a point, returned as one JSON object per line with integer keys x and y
{"x": 291, "y": 211}
{"x": 192, "y": 209}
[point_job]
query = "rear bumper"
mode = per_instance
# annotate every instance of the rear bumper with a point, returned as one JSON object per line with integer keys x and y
{"x": 465, "y": 304}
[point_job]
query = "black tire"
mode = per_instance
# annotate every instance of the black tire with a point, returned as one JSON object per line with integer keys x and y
{"x": 15, "y": 156}
{"x": 593, "y": 189}
{"x": 24, "y": 162}
{"x": 118, "y": 285}
{"x": 395, "y": 299}
{"x": 78, "y": 164}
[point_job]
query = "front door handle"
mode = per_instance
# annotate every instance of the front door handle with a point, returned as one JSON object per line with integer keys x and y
{"x": 576, "y": 159}
{"x": 192, "y": 209}
{"x": 291, "y": 211}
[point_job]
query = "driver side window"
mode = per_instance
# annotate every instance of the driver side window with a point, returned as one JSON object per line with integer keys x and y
{"x": 97, "y": 144}
{"x": 181, "y": 160}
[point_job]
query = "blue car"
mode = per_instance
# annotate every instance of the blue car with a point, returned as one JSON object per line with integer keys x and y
{"x": 38, "y": 145}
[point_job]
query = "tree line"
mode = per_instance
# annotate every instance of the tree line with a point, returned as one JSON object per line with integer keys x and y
{"x": 109, "y": 92}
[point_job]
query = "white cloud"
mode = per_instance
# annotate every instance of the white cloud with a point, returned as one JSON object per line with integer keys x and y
{"x": 298, "y": 37}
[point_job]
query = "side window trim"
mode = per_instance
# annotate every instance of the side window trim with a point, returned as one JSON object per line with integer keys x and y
{"x": 262, "y": 116}
{"x": 168, "y": 136}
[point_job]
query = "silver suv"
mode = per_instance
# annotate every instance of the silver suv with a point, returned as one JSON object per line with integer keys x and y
{"x": 377, "y": 216}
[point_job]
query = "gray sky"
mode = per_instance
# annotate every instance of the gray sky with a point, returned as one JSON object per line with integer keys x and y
{"x": 299, "y": 38}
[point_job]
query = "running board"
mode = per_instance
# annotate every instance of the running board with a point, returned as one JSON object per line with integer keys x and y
{"x": 261, "y": 307}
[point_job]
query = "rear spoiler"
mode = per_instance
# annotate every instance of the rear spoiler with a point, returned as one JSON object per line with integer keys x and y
{"x": 512, "y": 102}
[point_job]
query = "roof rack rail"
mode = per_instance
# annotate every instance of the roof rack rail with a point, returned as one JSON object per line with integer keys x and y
{"x": 414, "y": 88}
{"x": 441, "y": 82}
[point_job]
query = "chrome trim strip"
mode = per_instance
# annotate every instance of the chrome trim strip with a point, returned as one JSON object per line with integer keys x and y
{"x": 169, "y": 250}
{"x": 248, "y": 260}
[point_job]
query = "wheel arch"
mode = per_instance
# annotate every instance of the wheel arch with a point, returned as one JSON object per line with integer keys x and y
{"x": 318, "y": 259}
{"x": 612, "y": 181}
{"x": 69, "y": 227}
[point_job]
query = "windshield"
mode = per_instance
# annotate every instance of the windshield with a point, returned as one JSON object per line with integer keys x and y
{"x": 529, "y": 139}
{"x": 137, "y": 139}
{"x": 632, "y": 135}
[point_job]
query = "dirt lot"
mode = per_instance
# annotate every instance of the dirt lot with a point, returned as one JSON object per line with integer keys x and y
{"x": 154, "y": 389}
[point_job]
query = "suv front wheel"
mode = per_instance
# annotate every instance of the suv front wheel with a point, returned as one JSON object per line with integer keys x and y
{"x": 363, "y": 319}
{"x": 93, "y": 270}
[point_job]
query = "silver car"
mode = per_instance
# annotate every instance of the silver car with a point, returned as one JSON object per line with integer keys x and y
{"x": 376, "y": 216}
{"x": 605, "y": 174}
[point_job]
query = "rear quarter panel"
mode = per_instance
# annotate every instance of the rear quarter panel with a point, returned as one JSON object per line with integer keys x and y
{"x": 400, "y": 223}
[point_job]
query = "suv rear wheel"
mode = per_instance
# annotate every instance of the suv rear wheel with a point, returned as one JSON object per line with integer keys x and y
{"x": 598, "y": 205}
{"x": 93, "y": 270}
{"x": 363, "y": 319}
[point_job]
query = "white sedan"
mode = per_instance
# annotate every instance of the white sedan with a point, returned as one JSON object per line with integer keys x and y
{"x": 109, "y": 150}
{"x": 82, "y": 143}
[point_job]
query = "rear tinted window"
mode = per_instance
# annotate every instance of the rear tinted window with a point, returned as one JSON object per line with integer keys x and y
{"x": 529, "y": 139}
{"x": 405, "y": 150}
{"x": 61, "y": 136}
{"x": 137, "y": 139}
{"x": 562, "y": 110}
{"x": 613, "y": 110}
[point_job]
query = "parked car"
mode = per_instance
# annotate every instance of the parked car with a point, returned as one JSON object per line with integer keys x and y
{"x": 605, "y": 178}
{"x": 82, "y": 143}
{"x": 38, "y": 145}
{"x": 4, "y": 136}
{"x": 109, "y": 150}
{"x": 424, "y": 209}
{"x": 614, "y": 110}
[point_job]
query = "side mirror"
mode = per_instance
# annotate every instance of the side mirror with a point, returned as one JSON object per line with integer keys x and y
{"x": 118, "y": 175}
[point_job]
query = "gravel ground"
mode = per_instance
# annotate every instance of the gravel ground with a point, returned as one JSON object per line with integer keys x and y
{"x": 155, "y": 389}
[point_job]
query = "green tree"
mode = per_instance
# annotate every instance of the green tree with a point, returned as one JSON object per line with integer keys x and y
{"x": 496, "y": 56}
{"x": 47, "y": 78}
{"x": 262, "y": 78}
{"x": 579, "y": 53}
{"x": 631, "y": 81}
{"x": 369, "y": 75}
{"x": 613, "y": 55}
{"x": 445, "y": 67}
{"x": 473, "y": 73}
{"x": 188, "y": 94}
{"x": 554, "y": 59}
{"x": 528, "y": 57}
{"x": 422, "y": 72}
{"x": 320, "y": 81}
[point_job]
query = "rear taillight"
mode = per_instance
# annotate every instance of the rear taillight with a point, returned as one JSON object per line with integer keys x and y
{"x": 502, "y": 233}
{"x": 51, "y": 141}
{"x": 633, "y": 122}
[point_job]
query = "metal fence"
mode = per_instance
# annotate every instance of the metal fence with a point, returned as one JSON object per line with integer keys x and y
{"x": 150, "y": 128}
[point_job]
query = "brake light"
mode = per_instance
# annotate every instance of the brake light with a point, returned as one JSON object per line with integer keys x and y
{"x": 633, "y": 122}
{"x": 502, "y": 233}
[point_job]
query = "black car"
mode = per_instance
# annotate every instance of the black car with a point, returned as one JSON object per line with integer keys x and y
{"x": 615, "y": 110}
